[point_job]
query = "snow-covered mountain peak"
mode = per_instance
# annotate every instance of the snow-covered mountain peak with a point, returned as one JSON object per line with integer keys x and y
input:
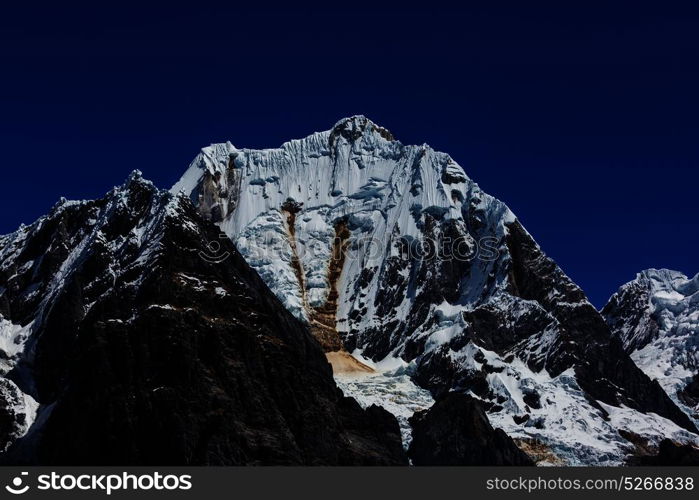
{"x": 135, "y": 178}
{"x": 655, "y": 296}
{"x": 392, "y": 251}
{"x": 661, "y": 279}
{"x": 355, "y": 173}
{"x": 352, "y": 144}
{"x": 671, "y": 290}
{"x": 656, "y": 317}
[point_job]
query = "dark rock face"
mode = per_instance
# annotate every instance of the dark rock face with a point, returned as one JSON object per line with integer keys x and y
{"x": 630, "y": 308}
{"x": 689, "y": 395}
{"x": 670, "y": 454}
{"x": 145, "y": 349}
{"x": 456, "y": 431}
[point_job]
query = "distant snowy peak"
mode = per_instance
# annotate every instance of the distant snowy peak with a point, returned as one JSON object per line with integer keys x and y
{"x": 648, "y": 305}
{"x": 656, "y": 316}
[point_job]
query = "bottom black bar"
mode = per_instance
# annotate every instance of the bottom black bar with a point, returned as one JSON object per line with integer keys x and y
{"x": 354, "y": 483}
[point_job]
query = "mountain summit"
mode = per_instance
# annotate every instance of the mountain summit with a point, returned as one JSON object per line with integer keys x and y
{"x": 391, "y": 252}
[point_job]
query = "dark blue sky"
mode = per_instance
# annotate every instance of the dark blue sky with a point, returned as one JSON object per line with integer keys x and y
{"x": 584, "y": 120}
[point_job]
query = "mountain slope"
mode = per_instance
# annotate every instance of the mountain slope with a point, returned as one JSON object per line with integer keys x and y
{"x": 432, "y": 270}
{"x": 656, "y": 317}
{"x": 130, "y": 344}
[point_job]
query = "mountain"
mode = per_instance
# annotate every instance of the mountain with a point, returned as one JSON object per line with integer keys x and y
{"x": 656, "y": 318}
{"x": 195, "y": 326}
{"x": 391, "y": 252}
{"x": 126, "y": 341}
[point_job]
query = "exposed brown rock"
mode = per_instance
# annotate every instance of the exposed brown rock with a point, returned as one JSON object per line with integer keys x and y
{"x": 539, "y": 452}
{"x": 343, "y": 362}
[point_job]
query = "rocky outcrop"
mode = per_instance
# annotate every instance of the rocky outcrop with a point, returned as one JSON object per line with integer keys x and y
{"x": 147, "y": 348}
{"x": 456, "y": 431}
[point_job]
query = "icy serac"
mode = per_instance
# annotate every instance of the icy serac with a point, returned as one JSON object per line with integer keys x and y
{"x": 393, "y": 251}
{"x": 656, "y": 317}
